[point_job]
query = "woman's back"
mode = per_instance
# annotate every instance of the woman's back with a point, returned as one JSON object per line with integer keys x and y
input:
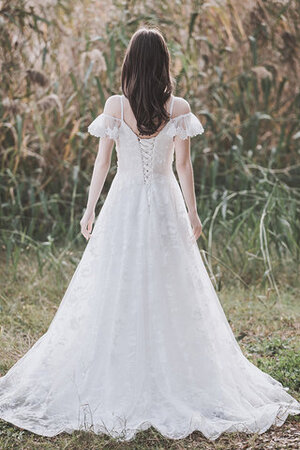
{"x": 145, "y": 159}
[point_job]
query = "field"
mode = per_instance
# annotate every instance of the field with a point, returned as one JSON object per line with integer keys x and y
{"x": 236, "y": 64}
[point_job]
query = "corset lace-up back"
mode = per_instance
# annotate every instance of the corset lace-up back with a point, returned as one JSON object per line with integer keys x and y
{"x": 146, "y": 149}
{"x": 145, "y": 160}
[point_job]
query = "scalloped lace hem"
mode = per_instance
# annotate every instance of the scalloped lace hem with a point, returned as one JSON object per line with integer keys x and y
{"x": 197, "y": 423}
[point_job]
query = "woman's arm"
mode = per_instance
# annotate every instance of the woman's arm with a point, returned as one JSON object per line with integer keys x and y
{"x": 100, "y": 171}
{"x": 185, "y": 172}
{"x": 184, "y": 169}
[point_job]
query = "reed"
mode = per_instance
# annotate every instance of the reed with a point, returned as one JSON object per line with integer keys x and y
{"x": 237, "y": 65}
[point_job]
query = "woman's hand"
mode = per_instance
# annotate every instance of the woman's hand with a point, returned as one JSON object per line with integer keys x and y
{"x": 86, "y": 223}
{"x": 196, "y": 223}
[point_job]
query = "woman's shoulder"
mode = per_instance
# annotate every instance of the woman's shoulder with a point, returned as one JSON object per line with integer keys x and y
{"x": 181, "y": 106}
{"x": 112, "y": 106}
{"x": 108, "y": 122}
{"x": 184, "y": 123}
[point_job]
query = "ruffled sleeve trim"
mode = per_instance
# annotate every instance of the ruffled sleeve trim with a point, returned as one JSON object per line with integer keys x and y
{"x": 185, "y": 125}
{"x": 105, "y": 126}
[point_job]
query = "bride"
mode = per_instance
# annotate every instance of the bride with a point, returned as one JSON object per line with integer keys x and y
{"x": 140, "y": 338}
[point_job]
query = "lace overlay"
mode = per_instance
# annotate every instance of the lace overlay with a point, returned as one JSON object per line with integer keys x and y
{"x": 105, "y": 126}
{"x": 140, "y": 338}
{"x": 185, "y": 125}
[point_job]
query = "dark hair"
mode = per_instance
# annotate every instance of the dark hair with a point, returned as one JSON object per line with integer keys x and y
{"x": 146, "y": 80}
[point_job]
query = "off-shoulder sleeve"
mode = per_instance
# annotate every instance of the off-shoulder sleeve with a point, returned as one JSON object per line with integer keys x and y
{"x": 185, "y": 125}
{"x": 105, "y": 126}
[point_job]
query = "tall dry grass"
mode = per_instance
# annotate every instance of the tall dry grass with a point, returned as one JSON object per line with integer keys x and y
{"x": 237, "y": 65}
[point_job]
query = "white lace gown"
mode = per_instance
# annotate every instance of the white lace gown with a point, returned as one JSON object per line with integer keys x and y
{"x": 140, "y": 338}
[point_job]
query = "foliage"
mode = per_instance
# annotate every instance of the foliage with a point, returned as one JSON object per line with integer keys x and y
{"x": 235, "y": 63}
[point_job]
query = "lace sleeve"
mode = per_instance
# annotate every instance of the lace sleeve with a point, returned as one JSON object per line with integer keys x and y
{"x": 105, "y": 126}
{"x": 185, "y": 125}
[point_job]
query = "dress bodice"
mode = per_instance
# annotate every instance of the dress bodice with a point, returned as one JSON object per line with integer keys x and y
{"x": 145, "y": 158}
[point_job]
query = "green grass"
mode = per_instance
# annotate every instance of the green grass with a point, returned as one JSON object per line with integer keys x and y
{"x": 265, "y": 328}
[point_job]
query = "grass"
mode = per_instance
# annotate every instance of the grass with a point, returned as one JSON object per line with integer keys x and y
{"x": 266, "y": 331}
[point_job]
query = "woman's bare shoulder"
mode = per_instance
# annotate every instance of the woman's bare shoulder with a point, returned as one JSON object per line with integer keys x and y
{"x": 181, "y": 106}
{"x": 113, "y": 106}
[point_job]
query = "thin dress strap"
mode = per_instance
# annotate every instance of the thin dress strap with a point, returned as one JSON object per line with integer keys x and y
{"x": 121, "y": 98}
{"x": 171, "y": 107}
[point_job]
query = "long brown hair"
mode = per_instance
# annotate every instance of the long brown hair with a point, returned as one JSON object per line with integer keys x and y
{"x": 146, "y": 79}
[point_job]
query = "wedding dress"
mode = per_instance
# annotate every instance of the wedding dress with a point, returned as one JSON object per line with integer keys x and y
{"x": 140, "y": 338}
